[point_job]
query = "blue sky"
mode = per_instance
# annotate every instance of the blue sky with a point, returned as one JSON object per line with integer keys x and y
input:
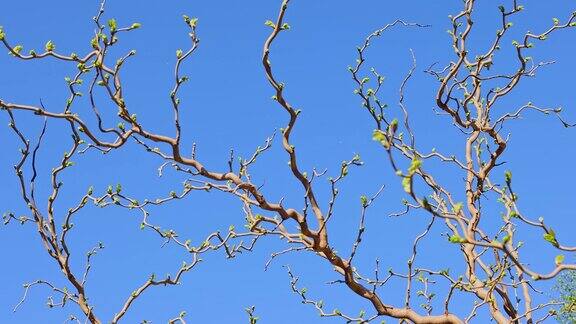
{"x": 227, "y": 105}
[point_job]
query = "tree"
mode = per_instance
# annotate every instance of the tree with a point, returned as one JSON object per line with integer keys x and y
{"x": 567, "y": 297}
{"x": 472, "y": 93}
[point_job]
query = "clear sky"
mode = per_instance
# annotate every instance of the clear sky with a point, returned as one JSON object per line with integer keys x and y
{"x": 227, "y": 105}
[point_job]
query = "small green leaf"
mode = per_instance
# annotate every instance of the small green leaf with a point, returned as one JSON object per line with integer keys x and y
{"x": 344, "y": 170}
{"x": 551, "y": 237}
{"x": 426, "y": 204}
{"x": 393, "y": 125}
{"x": 136, "y": 25}
{"x": 50, "y": 47}
{"x": 18, "y": 48}
{"x": 508, "y": 176}
{"x": 458, "y": 207}
{"x": 559, "y": 259}
{"x": 414, "y": 166}
{"x": 179, "y": 53}
{"x": 457, "y": 239}
{"x": 112, "y": 24}
{"x": 364, "y": 201}
{"x": 407, "y": 184}
{"x": 270, "y": 24}
{"x": 379, "y": 136}
{"x": 94, "y": 42}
